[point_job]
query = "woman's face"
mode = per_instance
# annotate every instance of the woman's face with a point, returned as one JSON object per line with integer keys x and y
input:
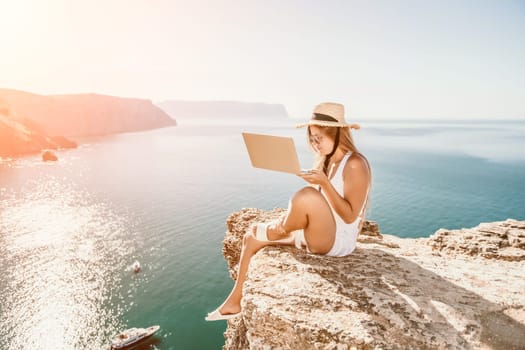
{"x": 321, "y": 143}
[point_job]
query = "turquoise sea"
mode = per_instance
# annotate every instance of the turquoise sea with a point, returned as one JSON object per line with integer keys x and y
{"x": 70, "y": 230}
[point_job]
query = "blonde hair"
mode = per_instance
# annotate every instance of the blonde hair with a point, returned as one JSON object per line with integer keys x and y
{"x": 343, "y": 140}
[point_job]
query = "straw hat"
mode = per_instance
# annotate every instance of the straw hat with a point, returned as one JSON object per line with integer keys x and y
{"x": 329, "y": 114}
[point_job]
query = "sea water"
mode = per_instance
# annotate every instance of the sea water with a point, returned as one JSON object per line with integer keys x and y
{"x": 70, "y": 230}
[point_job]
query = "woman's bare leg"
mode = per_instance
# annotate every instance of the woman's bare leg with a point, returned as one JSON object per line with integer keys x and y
{"x": 250, "y": 246}
{"x": 307, "y": 210}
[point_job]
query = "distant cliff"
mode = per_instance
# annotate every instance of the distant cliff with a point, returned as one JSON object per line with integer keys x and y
{"x": 21, "y": 137}
{"x": 86, "y": 114}
{"x": 458, "y": 289}
{"x": 220, "y": 110}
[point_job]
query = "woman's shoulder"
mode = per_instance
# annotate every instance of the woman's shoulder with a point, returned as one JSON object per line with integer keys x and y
{"x": 357, "y": 159}
{"x": 356, "y": 162}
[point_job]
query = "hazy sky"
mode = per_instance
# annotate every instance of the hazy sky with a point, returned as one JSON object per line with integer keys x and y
{"x": 382, "y": 59}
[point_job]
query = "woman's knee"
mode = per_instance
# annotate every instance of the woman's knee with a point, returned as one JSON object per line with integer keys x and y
{"x": 305, "y": 192}
{"x": 306, "y": 195}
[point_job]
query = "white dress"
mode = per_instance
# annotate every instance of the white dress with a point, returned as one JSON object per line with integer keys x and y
{"x": 345, "y": 234}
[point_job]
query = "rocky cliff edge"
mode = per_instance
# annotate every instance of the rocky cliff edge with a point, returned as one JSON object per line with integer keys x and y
{"x": 460, "y": 289}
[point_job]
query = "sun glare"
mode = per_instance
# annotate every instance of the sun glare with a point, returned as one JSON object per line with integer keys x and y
{"x": 66, "y": 250}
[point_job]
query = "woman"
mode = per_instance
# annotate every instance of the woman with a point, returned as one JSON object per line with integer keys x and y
{"x": 324, "y": 217}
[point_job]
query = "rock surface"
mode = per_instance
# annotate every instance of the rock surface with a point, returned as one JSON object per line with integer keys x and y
{"x": 505, "y": 241}
{"x": 391, "y": 293}
{"x": 18, "y": 137}
{"x": 49, "y": 156}
{"x": 86, "y": 114}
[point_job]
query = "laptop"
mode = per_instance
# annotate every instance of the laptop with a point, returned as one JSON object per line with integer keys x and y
{"x": 273, "y": 153}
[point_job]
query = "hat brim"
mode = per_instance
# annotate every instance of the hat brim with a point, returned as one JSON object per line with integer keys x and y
{"x": 328, "y": 123}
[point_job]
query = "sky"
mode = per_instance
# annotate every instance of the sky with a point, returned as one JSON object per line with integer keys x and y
{"x": 382, "y": 59}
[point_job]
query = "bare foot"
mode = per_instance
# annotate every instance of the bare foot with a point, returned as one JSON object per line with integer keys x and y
{"x": 230, "y": 308}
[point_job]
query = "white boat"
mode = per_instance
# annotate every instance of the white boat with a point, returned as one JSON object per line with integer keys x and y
{"x": 132, "y": 336}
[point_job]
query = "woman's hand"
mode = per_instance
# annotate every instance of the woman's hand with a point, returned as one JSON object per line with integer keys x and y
{"x": 314, "y": 177}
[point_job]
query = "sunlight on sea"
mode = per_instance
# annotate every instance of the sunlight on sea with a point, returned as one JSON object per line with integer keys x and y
{"x": 70, "y": 230}
{"x": 59, "y": 261}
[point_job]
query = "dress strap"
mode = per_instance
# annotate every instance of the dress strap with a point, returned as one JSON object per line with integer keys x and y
{"x": 362, "y": 213}
{"x": 341, "y": 166}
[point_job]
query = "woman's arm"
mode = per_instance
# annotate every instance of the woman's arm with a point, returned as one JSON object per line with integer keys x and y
{"x": 356, "y": 177}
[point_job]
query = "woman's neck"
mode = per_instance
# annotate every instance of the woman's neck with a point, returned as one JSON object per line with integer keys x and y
{"x": 338, "y": 156}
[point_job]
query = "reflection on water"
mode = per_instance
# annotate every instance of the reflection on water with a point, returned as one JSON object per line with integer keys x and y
{"x": 70, "y": 230}
{"x": 59, "y": 254}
